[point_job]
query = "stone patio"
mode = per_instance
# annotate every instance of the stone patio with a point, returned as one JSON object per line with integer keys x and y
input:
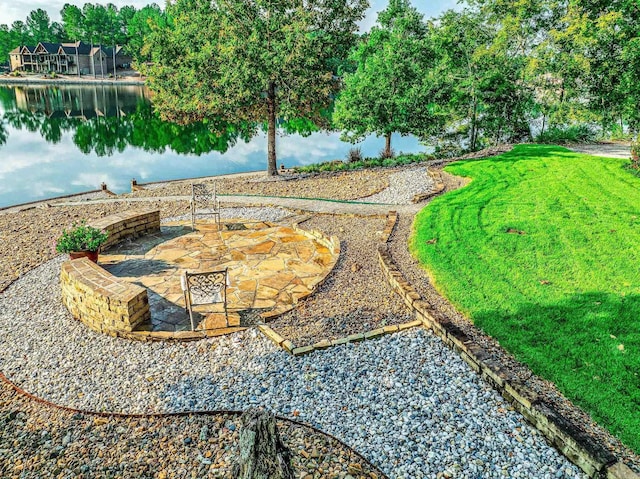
{"x": 271, "y": 267}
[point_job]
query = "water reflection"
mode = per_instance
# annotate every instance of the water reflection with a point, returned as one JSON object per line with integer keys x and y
{"x": 65, "y": 139}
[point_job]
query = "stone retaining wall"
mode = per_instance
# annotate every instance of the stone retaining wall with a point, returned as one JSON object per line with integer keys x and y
{"x": 584, "y": 451}
{"x": 100, "y": 300}
{"x": 97, "y": 298}
{"x": 130, "y": 224}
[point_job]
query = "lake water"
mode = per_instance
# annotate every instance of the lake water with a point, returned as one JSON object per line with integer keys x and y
{"x": 58, "y": 140}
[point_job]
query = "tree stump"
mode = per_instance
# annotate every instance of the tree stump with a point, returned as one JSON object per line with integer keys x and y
{"x": 263, "y": 455}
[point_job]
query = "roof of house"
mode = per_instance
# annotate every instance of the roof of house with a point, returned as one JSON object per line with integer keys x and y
{"x": 69, "y": 48}
{"x": 50, "y": 47}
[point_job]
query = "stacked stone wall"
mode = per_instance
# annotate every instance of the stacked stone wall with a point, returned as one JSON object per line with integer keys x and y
{"x": 100, "y": 300}
{"x": 131, "y": 224}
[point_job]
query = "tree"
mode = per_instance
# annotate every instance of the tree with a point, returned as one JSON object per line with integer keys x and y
{"x": 5, "y": 44}
{"x": 19, "y": 34}
{"x": 389, "y": 91}
{"x": 483, "y": 92}
{"x": 39, "y": 26}
{"x": 73, "y": 22}
{"x": 251, "y": 60}
{"x": 139, "y": 27}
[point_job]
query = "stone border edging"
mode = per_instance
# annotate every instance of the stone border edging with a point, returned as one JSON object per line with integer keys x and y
{"x": 291, "y": 348}
{"x": 214, "y": 412}
{"x": 584, "y": 451}
{"x": 436, "y": 176}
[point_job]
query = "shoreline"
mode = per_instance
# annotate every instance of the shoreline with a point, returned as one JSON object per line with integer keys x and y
{"x": 6, "y": 80}
{"x": 35, "y": 203}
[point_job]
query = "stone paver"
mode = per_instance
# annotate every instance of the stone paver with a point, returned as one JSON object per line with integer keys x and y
{"x": 271, "y": 267}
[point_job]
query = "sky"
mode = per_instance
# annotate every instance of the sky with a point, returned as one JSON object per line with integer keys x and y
{"x": 11, "y": 10}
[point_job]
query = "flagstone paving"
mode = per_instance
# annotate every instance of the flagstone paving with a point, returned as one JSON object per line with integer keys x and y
{"x": 271, "y": 267}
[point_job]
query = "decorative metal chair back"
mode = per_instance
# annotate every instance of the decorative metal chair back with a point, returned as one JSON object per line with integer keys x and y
{"x": 204, "y": 202}
{"x": 208, "y": 287}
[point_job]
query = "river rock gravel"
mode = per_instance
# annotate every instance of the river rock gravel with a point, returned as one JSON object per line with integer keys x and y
{"x": 403, "y": 186}
{"x": 406, "y": 402}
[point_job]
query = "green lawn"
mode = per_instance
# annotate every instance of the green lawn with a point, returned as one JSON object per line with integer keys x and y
{"x": 542, "y": 251}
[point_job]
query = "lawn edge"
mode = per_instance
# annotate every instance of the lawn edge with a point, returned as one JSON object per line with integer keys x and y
{"x": 563, "y": 433}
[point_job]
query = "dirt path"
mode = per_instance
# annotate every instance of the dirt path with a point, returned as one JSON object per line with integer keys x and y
{"x": 609, "y": 150}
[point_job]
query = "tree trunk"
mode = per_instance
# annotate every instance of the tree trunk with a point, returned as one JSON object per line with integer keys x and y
{"x": 272, "y": 169}
{"x": 387, "y": 145}
{"x": 474, "y": 125}
{"x": 263, "y": 455}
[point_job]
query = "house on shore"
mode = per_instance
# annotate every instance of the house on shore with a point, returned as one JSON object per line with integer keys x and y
{"x": 77, "y": 58}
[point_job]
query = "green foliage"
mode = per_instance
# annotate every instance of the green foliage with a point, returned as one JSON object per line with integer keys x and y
{"x": 558, "y": 135}
{"x": 81, "y": 238}
{"x": 363, "y": 163}
{"x": 540, "y": 250}
{"x": 389, "y": 89}
{"x": 635, "y": 154}
{"x": 480, "y": 82}
{"x": 138, "y": 28}
{"x": 252, "y": 61}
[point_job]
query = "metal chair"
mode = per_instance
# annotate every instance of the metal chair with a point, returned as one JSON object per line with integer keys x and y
{"x": 208, "y": 287}
{"x": 204, "y": 202}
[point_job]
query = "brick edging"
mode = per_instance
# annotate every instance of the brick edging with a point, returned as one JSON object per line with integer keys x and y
{"x": 582, "y": 450}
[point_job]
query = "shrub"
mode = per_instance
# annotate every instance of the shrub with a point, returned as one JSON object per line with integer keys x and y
{"x": 364, "y": 163}
{"x": 81, "y": 238}
{"x": 385, "y": 154}
{"x": 354, "y": 154}
{"x": 570, "y": 134}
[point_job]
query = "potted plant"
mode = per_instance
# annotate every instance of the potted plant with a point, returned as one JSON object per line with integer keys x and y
{"x": 81, "y": 240}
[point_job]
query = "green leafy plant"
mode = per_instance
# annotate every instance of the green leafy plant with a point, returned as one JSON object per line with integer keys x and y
{"x": 364, "y": 163}
{"x": 635, "y": 154}
{"x": 81, "y": 238}
{"x": 571, "y": 134}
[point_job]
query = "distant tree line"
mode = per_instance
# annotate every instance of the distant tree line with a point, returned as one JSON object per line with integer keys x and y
{"x": 93, "y": 23}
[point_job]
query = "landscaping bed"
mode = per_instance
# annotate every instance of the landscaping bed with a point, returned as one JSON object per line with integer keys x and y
{"x": 43, "y": 441}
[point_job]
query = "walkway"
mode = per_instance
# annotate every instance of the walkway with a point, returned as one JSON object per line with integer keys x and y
{"x": 304, "y": 204}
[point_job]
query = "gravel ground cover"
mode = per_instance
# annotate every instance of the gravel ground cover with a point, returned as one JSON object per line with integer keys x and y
{"x": 348, "y": 185}
{"x": 406, "y": 402}
{"x": 27, "y": 238}
{"x": 355, "y": 297}
{"x": 403, "y": 186}
{"x": 37, "y": 440}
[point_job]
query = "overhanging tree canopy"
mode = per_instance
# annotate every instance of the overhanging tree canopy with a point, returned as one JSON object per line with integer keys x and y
{"x": 255, "y": 60}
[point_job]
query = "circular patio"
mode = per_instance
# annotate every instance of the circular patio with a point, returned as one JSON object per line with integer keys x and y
{"x": 271, "y": 267}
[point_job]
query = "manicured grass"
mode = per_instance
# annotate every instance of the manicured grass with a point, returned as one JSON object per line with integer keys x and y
{"x": 542, "y": 251}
